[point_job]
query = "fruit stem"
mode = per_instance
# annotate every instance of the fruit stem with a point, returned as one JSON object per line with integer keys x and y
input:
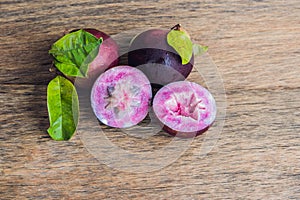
{"x": 177, "y": 27}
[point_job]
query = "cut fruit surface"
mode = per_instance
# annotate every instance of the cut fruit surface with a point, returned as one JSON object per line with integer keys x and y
{"x": 184, "y": 108}
{"x": 121, "y": 96}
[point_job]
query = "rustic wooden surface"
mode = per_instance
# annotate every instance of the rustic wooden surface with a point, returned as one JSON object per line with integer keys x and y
{"x": 255, "y": 45}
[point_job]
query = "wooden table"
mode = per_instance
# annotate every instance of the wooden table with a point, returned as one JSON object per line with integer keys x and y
{"x": 255, "y": 45}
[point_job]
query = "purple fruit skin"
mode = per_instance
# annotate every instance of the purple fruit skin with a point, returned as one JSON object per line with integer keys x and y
{"x": 107, "y": 57}
{"x": 183, "y": 134}
{"x": 151, "y": 47}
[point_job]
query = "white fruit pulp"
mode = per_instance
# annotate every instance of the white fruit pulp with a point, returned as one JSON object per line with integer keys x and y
{"x": 120, "y": 97}
{"x": 185, "y": 106}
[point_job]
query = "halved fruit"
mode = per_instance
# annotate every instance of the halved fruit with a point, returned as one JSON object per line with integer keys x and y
{"x": 186, "y": 109}
{"x": 121, "y": 97}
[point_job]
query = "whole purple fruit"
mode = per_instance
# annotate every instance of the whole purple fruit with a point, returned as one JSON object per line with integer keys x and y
{"x": 151, "y": 53}
{"x": 108, "y": 57}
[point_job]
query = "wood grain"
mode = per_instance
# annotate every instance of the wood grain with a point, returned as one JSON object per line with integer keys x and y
{"x": 255, "y": 46}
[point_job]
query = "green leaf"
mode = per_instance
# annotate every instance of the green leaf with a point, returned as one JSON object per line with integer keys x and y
{"x": 74, "y": 52}
{"x": 63, "y": 108}
{"x": 182, "y": 43}
{"x": 199, "y": 49}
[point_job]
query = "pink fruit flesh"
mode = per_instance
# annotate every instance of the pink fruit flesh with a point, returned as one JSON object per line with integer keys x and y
{"x": 121, "y": 96}
{"x": 186, "y": 109}
{"x": 107, "y": 57}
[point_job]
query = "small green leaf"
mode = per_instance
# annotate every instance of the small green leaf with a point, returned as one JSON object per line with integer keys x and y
{"x": 182, "y": 43}
{"x": 74, "y": 52}
{"x": 63, "y": 108}
{"x": 199, "y": 49}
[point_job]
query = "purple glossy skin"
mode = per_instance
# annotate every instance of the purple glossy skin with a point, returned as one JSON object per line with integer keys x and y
{"x": 151, "y": 47}
{"x": 107, "y": 57}
{"x": 184, "y": 108}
